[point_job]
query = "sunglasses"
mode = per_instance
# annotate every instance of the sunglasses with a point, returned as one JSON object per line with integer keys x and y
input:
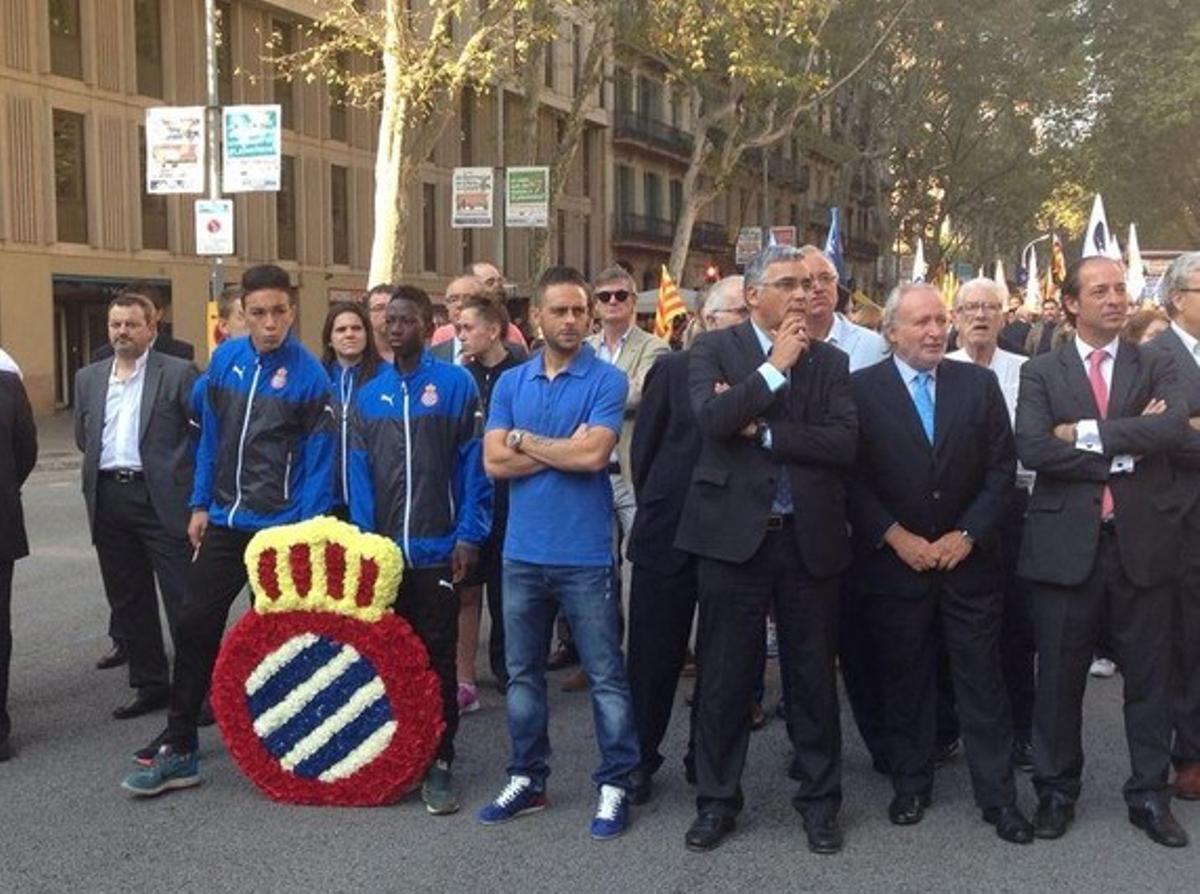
{"x": 609, "y": 297}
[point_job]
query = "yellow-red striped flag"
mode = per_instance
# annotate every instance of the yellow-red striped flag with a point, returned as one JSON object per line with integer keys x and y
{"x": 670, "y": 305}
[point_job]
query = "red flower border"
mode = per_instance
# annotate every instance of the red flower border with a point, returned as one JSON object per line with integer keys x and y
{"x": 412, "y": 688}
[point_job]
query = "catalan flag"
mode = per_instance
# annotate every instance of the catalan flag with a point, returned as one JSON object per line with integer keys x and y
{"x": 1058, "y": 261}
{"x": 670, "y": 305}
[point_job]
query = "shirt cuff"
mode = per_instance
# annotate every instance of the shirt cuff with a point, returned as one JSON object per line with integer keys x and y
{"x": 773, "y": 377}
{"x": 1122, "y": 464}
{"x": 766, "y": 437}
{"x": 1087, "y": 436}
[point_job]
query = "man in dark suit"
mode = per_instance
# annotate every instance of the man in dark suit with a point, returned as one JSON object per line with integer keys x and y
{"x": 18, "y": 454}
{"x": 131, "y": 422}
{"x": 662, "y": 593}
{"x": 766, "y": 515}
{"x": 1181, "y": 297}
{"x": 1097, "y": 421}
{"x": 935, "y": 467}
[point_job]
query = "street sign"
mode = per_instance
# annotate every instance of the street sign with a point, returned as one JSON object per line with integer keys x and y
{"x": 527, "y": 197}
{"x": 784, "y": 235}
{"x": 175, "y": 150}
{"x": 214, "y": 227}
{"x": 253, "y": 145}
{"x": 472, "y": 191}
{"x": 749, "y": 243}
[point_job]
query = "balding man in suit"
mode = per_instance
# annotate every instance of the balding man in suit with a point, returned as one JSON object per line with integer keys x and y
{"x": 131, "y": 422}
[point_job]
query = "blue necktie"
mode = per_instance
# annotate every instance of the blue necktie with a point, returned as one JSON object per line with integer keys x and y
{"x": 924, "y": 402}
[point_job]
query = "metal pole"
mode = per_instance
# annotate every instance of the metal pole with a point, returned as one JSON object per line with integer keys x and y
{"x": 766, "y": 198}
{"x": 216, "y": 273}
{"x": 1031, "y": 244}
{"x": 501, "y": 187}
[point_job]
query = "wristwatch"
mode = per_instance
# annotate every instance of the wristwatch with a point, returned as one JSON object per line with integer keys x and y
{"x": 514, "y": 439}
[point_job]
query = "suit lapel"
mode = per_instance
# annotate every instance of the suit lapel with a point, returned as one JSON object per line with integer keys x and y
{"x": 1183, "y": 358}
{"x": 945, "y": 405}
{"x": 1078, "y": 386}
{"x": 1125, "y": 371}
{"x": 153, "y": 373}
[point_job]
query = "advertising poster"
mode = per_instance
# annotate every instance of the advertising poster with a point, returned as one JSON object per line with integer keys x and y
{"x": 472, "y": 191}
{"x": 175, "y": 137}
{"x": 253, "y": 145}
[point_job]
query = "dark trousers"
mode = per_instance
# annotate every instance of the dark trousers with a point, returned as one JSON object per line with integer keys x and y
{"x": 733, "y": 611}
{"x": 904, "y": 635}
{"x": 134, "y": 548}
{"x": 218, "y": 574}
{"x": 1067, "y": 621}
{"x": 1018, "y": 652}
{"x": 491, "y": 573}
{"x": 1186, "y": 688}
{"x": 6, "y": 578}
{"x": 661, "y": 606}
{"x": 429, "y": 602}
{"x": 861, "y": 671}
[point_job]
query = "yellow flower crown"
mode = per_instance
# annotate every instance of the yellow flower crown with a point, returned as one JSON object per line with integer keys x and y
{"x": 323, "y": 565}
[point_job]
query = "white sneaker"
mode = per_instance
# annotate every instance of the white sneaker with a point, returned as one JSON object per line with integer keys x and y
{"x": 1102, "y": 668}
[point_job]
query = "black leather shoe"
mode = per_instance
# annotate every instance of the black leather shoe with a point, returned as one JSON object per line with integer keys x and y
{"x": 708, "y": 831}
{"x": 824, "y": 834}
{"x": 114, "y": 657}
{"x": 1022, "y": 754}
{"x": 908, "y": 810}
{"x": 1052, "y": 818}
{"x": 640, "y": 788}
{"x": 1010, "y": 823}
{"x": 1157, "y": 821}
{"x": 143, "y": 703}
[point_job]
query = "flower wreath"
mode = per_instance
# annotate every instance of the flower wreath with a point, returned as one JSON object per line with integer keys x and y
{"x": 323, "y": 695}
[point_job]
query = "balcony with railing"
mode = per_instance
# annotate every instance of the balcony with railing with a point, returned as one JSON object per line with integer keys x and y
{"x": 658, "y": 232}
{"x": 650, "y": 133}
{"x": 710, "y": 236}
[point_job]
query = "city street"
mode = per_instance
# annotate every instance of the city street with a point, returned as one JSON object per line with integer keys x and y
{"x": 67, "y": 826}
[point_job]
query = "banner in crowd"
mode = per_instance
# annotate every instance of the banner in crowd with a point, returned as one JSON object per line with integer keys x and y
{"x": 472, "y": 191}
{"x": 253, "y": 148}
{"x": 175, "y": 140}
{"x": 527, "y": 197}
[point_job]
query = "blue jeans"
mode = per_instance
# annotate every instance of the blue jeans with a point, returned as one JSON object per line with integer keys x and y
{"x": 532, "y": 594}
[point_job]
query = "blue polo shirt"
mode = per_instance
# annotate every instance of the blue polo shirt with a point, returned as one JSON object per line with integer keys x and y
{"x": 560, "y": 518}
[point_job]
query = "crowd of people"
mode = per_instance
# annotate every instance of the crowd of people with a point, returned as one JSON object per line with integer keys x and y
{"x": 961, "y": 513}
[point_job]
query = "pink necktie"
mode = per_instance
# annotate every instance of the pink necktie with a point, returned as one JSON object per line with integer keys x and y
{"x": 1100, "y": 392}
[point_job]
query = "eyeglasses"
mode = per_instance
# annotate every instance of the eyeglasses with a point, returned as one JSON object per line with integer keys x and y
{"x": 973, "y": 307}
{"x": 618, "y": 296}
{"x": 790, "y": 284}
{"x": 827, "y": 279}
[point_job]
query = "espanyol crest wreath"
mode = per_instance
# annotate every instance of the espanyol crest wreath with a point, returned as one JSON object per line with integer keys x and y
{"x": 322, "y": 693}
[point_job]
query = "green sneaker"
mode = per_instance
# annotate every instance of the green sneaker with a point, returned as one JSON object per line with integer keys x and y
{"x": 169, "y": 769}
{"x": 437, "y": 791}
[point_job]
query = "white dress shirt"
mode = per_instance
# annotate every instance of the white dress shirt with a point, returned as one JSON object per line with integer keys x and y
{"x": 1007, "y": 367}
{"x": 1087, "y": 431}
{"x": 865, "y": 346}
{"x": 1192, "y": 345}
{"x": 122, "y": 419}
{"x": 7, "y": 364}
{"x": 603, "y": 351}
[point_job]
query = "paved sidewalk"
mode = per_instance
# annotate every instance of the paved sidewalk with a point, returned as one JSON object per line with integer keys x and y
{"x": 56, "y": 442}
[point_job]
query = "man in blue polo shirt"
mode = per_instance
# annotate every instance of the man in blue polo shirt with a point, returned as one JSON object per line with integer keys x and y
{"x": 554, "y": 422}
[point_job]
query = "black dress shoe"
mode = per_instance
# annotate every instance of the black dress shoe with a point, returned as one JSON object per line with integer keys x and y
{"x": 1157, "y": 821}
{"x": 143, "y": 703}
{"x": 114, "y": 657}
{"x": 824, "y": 834}
{"x": 709, "y": 830}
{"x": 908, "y": 809}
{"x": 1022, "y": 754}
{"x": 1010, "y": 823}
{"x": 1052, "y": 818}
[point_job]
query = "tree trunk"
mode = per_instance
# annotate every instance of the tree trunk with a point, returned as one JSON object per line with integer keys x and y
{"x": 392, "y": 174}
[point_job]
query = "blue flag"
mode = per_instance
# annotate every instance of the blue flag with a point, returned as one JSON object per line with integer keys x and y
{"x": 833, "y": 244}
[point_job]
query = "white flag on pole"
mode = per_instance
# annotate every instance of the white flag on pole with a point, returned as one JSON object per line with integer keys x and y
{"x": 1099, "y": 241}
{"x": 919, "y": 268}
{"x": 1135, "y": 275}
{"x": 1033, "y": 288}
{"x": 998, "y": 275}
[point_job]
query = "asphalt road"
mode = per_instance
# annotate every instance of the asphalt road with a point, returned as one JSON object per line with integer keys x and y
{"x": 65, "y": 824}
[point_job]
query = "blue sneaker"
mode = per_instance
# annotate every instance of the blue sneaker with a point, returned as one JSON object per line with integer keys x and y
{"x": 612, "y": 813}
{"x": 169, "y": 769}
{"x": 518, "y": 798}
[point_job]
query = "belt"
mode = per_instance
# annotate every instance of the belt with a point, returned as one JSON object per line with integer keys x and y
{"x": 122, "y": 476}
{"x": 1108, "y": 525}
{"x": 779, "y": 522}
{"x": 614, "y": 468}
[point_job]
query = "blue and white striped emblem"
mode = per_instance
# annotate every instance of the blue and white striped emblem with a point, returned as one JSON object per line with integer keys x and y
{"x": 319, "y": 707}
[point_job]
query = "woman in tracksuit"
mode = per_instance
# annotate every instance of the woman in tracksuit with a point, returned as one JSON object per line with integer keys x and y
{"x": 351, "y": 359}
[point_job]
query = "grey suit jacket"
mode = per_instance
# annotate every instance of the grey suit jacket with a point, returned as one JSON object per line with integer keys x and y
{"x": 165, "y": 442}
{"x": 637, "y": 356}
{"x": 1186, "y": 460}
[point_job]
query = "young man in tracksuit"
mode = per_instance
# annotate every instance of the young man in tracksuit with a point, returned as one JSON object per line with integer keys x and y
{"x": 265, "y": 458}
{"x": 416, "y": 475}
